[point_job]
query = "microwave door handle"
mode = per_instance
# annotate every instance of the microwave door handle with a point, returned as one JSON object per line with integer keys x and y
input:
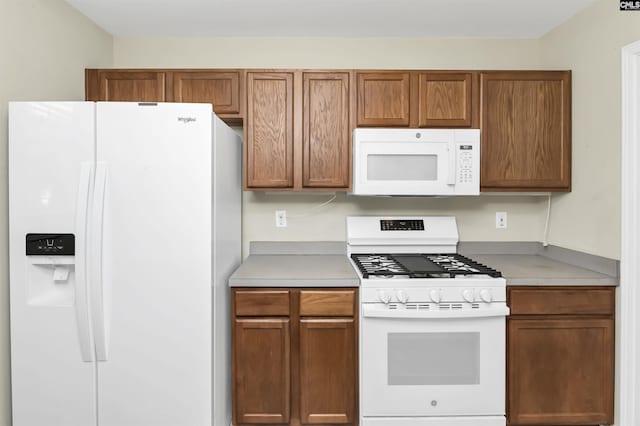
{"x": 453, "y": 166}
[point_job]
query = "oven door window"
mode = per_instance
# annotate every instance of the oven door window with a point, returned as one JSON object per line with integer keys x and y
{"x": 423, "y": 359}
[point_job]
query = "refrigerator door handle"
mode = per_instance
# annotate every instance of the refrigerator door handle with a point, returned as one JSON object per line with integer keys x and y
{"x": 98, "y": 294}
{"x": 81, "y": 296}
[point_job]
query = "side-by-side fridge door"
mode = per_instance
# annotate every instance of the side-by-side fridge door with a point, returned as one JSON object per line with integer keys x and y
{"x": 151, "y": 268}
{"x": 51, "y": 154}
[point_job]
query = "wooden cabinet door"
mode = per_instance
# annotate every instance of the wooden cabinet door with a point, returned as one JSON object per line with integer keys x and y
{"x": 383, "y": 98}
{"x": 526, "y": 131}
{"x": 220, "y": 88}
{"x": 327, "y": 371}
{"x": 560, "y": 371}
{"x": 261, "y": 365}
{"x": 131, "y": 86}
{"x": 326, "y": 130}
{"x": 445, "y": 99}
{"x": 269, "y": 130}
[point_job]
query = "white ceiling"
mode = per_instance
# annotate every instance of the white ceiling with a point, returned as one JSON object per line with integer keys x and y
{"x": 330, "y": 18}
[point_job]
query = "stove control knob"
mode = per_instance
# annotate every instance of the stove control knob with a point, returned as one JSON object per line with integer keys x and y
{"x": 384, "y": 296}
{"x": 402, "y": 296}
{"x": 436, "y": 295}
{"x": 486, "y": 295}
{"x": 468, "y": 295}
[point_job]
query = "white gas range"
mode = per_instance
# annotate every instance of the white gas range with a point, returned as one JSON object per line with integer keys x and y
{"x": 432, "y": 329}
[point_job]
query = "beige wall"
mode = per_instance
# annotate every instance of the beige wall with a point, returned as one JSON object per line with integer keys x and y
{"x": 44, "y": 47}
{"x": 325, "y": 52}
{"x": 588, "y": 219}
{"x": 476, "y": 215}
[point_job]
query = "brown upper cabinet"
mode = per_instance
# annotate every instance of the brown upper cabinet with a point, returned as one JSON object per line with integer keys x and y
{"x": 417, "y": 99}
{"x": 222, "y": 88}
{"x": 298, "y": 131}
{"x": 126, "y": 86}
{"x": 446, "y": 99}
{"x": 298, "y": 123}
{"x": 526, "y": 131}
{"x": 383, "y": 98}
{"x": 269, "y": 130}
{"x": 326, "y": 134}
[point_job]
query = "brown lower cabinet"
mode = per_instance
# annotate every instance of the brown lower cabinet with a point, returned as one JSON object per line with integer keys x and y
{"x": 560, "y": 356}
{"x": 294, "y": 356}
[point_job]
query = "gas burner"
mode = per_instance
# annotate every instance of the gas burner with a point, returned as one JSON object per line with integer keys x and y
{"x": 378, "y": 265}
{"x": 412, "y": 265}
{"x": 442, "y": 258}
{"x": 374, "y": 258}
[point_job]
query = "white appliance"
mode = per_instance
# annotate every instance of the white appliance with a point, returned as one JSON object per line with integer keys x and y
{"x": 416, "y": 162}
{"x": 432, "y": 326}
{"x": 124, "y": 226}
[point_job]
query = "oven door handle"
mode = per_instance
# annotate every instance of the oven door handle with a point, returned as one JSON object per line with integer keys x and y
{"x": 369, "y": 311}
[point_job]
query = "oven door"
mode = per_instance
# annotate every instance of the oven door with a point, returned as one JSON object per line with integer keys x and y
{"x": 438, "y": 363}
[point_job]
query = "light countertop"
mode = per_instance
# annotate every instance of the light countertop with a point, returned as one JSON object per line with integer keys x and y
{"x": 325, "y": 264}
{"x": 531, "y": 269}
{"x": 303, "y": 270}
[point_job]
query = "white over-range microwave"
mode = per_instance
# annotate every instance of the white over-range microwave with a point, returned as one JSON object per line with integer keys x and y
{"x": 416, "y": 162}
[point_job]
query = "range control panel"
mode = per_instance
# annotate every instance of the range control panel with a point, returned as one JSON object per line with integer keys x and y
{"x": 50, "y": 245}
{"x": 401, "y": 225}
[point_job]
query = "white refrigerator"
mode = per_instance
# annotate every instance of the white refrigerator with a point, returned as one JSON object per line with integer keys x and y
{"x": 124, "y": 227}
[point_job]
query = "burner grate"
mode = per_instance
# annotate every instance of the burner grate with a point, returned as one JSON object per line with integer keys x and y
{"x": 378, "y": 265}
{"x": 420, "y": 265}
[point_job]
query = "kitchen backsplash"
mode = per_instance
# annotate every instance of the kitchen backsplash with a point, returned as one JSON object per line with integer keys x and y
{"x": 307, "y": 220}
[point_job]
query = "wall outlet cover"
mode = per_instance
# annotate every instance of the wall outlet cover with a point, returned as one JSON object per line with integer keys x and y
{"x": 281, "y": 218}
{"x": 501, "y": 220}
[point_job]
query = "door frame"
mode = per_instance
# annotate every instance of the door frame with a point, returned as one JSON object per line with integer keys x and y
{"x": 629, "y": 385}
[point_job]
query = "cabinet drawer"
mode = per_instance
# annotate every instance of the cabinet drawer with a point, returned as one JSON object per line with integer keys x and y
{"x": 549, "y": 301}
{"x": 261, "y": 303}
{"x": 327, "y": 303}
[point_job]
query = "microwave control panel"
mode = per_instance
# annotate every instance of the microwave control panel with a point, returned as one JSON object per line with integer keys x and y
{"x": 465, "y": 163}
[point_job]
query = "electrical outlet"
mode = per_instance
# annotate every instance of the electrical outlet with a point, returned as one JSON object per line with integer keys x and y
{"x": 281, "y": 218}
{"x": 501, "y": 220}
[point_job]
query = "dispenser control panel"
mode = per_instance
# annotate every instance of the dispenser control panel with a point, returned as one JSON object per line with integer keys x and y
{"x": 50, "y": 245}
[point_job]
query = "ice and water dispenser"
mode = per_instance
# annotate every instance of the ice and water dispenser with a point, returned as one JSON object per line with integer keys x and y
{"x": 51, "y": 269}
